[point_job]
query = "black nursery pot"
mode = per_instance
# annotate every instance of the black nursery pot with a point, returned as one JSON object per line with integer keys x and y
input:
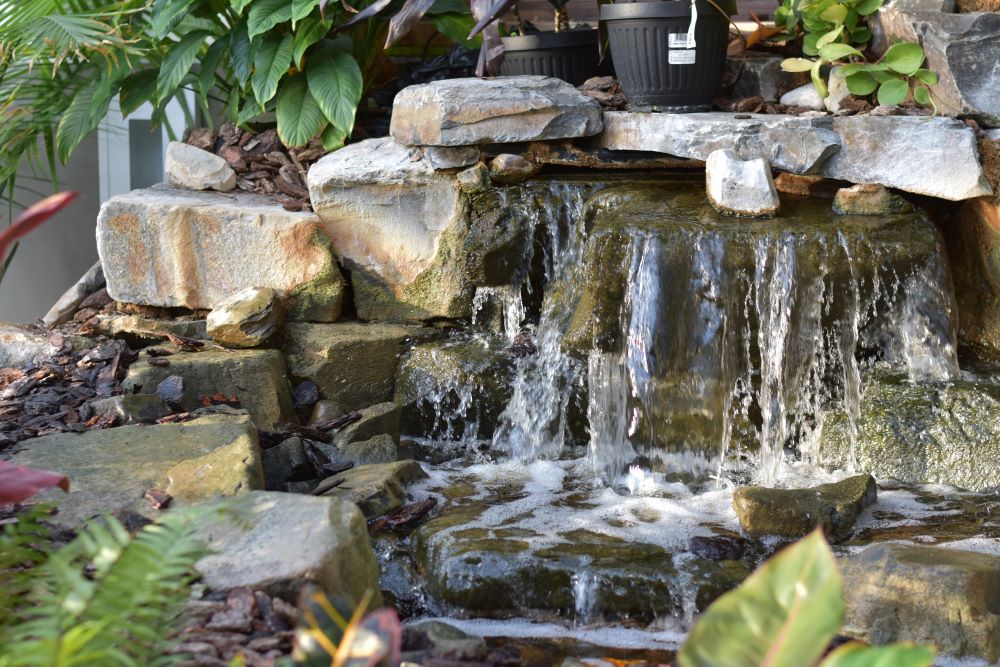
{"x": 656, "y": 70}
{"x": 570, "y": 55}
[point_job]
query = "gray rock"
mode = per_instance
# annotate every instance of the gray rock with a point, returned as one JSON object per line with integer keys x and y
{"x": 379, "y": 419}
{"x": 257, "y": 378}
{"x": 111, "y": 469}
{"x": 760, "y": 75}
{"x": 938, "y": 432}
{"x": 324, "y": 411}
{"x": 376, "y": 489}
{"x": 923, "y": 594}
{"x": 248, "y": 318}
{"x": 740, "y": 187}
{"x": 447, "y": 641}
{"x": 869, "y": 199}
{"x": 452, "y": 157}
{"x": 963, "y": 49}
{"x": 804, "y": 96}
{"x": 465, "y": 112}
{"x": 192, "y": 168}
{"x": 286, "y": 463}
{"x": 837, "y": 91}
{"x": 508, "y": 169}
{"x": 378, "y": 449}
{"x": 474, "y": 179}
{"x": 276, "y": 542}
{"x": 353, "y": 363}
{"x": 62, "y": 311}
{"x": 170, "y": 247}
{"x": 795, "y": 512}
{"x": 132, "y": 408}
{"x": 21, "y": 344}
{"x": 789, "y": 143}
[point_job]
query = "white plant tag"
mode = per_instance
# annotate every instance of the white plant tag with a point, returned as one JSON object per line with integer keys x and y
{"x": 679, "y": 40}
{"x": 694, "y": 21}
{"x": 681, "y": 57}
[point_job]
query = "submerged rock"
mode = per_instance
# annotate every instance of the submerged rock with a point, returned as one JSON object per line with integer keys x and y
{"x": 169, "y": 247}
{"x": 257, "y": 378}
{"x": 353, "y": 363}
{"x": 465, "y": 112}
{"x": 740, "y": 187}
{"x": 249, "y": 318}
{"x": 375, "y": 488}
{"x": 869, "y": 199}
{"x": 907, "y": 592}
{"x": 111, "y": 469}
{"x": 795, "y": 512}
{"x": 276, "y": 542}
{"x": 938, "y": 432}
{"x": 196, "y": 169}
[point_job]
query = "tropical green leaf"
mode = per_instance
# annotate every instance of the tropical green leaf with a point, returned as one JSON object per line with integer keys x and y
{"x": 239, "y": 5}
{"x": 299, "y": 115}
{"x": 166, "y": 15}
{"x": 302, "y": 8}
{"x": 271, "y": 62}
{"x": 905, "y": 57}
{"x": 209, "y": 65}
{"x": 860, "y": 35}
{"x": 829, "y": 37}
{"x": 333, "y": 138}
{"x": 861, "y": 83}
{"x": 336, "y": 83}
{"x": 248, "y": 112}
{"x": 456, "y": 27}
{"x": 136, "y": 90}
{"x": 783, "y": 615}
{"x": 309, "y": 32}
{"x": 239, "y": 53}
{"x": 809, "y": 47}
{"x": 927, "y": 76}
{"x": 893, "y": 92}
{"x": 797, "y": 64}
{"x": 866, "y": 7}
{"x": 833, "y": 52}
{"x": 177, "y": 63}
{"x": 855, "y": 654}
{"x": 265, "y": 14}
{"x": 81, "y": 118}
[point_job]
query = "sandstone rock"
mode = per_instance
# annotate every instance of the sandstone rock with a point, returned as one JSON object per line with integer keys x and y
{"x": 62, "y": 311}
{"x": 973, "y": 241}
{"x": 256, "y": 377}
{"x": 795, "y": 512}
{"x": 474, "y": 179}
{"x": 509, "y": 169}
{"x": 928, "y": 595}
{"x": 286, "y": 462}
{"x": 376, "y": 488}
{"x": 354, "y": 364}
{"x": 276, "y": 542}
{"x": 448, "y": 157}
{"x": 869, "y": 199}
{"x": 804, "y": 96}
{"x": 465, "y": 112}
{"x": 377, "y": 449}
{"x": 740, "y": 187}
{"x": 379, "y": 419}
{"x": 21, "y": 344}
{"x": 414, "y": 248}
{"x": 248, "y": 318}
{"x": 962, "y": 48}
{"x": 139, "y": 331}
{"x": 132, "y": 408}
{"x": 111, "y": 469}
{"x": 943, "y": 433}
{"x": 169, "y": 247}
{"x": 196, "y": 169}
{"x": 805, "y": 186}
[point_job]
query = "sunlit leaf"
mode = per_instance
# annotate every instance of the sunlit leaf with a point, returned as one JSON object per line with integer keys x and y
{"x": 834, "y": 14}
{"x": 861, "y": 83}
{"x": 797, "y": 64}
{"x": 837, "y": 51}
{"x": 855, "y": 654}
{"x": 177, "y": 63}
{"x": 905, "y": 57}
{"x": 829, "y": 37}
{"x": 817, "y": 79}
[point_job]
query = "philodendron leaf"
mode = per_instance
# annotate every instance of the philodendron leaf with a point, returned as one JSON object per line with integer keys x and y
{"x": 270, "y": 63}
{"x": 893, "y": 92}
{"x": 797, "y": 64}
{"x": 299, "y": 115}
{"x": 265, "y": 14}
{"x": 905, "y": 57}
{"x": 177, "y": 63}
{"x": 861, "y": 83}
{"x": 336, "y": 83}
{"x": 833, "y": 52}
{"x": 856, "y": 654}
{"x": 783, "y": 615}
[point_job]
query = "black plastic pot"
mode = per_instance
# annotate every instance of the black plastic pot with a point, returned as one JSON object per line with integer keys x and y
{"x": 570, "y": 55}
{"x": 656, "y": 70}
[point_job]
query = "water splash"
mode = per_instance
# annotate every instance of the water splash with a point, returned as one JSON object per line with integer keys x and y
{"x": 585, "y": 597}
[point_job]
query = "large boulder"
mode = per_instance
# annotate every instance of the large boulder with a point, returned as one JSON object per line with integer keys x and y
{"x": 169, "y": 247}
{"x": 929, "y": 595}
{"x": 464, "y": 112}
{"x": 416, "y": 249}
{"x": 276, "y": 542}
{"x": 110, "y": 470}
{"x": 963, "y": 49}
{"x": 938, "y": 432}
{"x": 353, "y": 363}
{"x": 257, "y": 378}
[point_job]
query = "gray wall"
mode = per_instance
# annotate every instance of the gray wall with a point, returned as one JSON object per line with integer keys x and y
{"x": 55, "y": 255}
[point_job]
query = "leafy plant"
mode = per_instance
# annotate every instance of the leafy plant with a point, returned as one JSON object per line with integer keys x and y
{"x": 784, "y": 615}
{"x": 835, "y": 32}
{"x": 105, "y": 598}
{"x": 333, "y": 633}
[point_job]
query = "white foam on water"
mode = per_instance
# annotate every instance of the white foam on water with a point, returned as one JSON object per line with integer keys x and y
{"x": 608, "y": 637}
{"x": 983, "y": 545}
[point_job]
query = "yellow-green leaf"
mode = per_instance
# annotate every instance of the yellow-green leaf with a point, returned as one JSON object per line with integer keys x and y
{"x": 855, "y": 654}
{"x": 829, "y": 37}
{"x": 905, "y": 57}
{"x": 797, "y": 64}
{"x": 833, "y": 52}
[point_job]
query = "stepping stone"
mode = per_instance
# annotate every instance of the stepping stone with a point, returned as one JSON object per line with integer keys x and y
{"x": 376, "y": 488}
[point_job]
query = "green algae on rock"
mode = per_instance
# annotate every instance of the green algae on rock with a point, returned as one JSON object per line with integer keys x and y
{"x": 376, "y": 488}
{"x": 796, "y": 512}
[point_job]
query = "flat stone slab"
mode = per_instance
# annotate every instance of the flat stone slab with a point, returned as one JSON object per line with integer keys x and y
{"x": 512, "y": 109}
{"x": 111, "y": 469}
{"x": 278, "y": 541}
{"x": 924, "y": 155}
{"x": 376, "y": 488}
{"x": 169, "y": 247}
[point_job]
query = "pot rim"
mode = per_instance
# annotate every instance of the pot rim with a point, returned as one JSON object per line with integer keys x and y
{"x": 551, "y": 40}
{"x": 655, "y": 9}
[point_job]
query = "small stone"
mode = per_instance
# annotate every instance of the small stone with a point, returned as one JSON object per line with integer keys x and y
{"x": 717, "y": 547}
{"x": 805, "y": 186}
{"x": 740, "y": 187}
{"x": 305, "y": 396}
{"x": 375, "y": 420}
{"x": 447, "y": 157}
{"x": 509, "y": 169}
{"x": 21, "y": 344}
{"x": 474, "y": 179}
{"x": 806, "y": 97}
{"x": 248, "y": 318}
{"x": 837, "y": 91}
{"x": 378, "y": 449}
{"x": 869, "y": 199}
{"x": 284, "y": 463}
{"x": 132, "y": 408}
{"x": 795, "y": 512}
{"x": 325, "y": 411}
{"x": 170, "y": 389}
{"x": 376, "y": 488}
{"x": 192, "y": 168}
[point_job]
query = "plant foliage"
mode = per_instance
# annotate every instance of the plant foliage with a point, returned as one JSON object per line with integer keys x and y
{"x": 335, "y": 633}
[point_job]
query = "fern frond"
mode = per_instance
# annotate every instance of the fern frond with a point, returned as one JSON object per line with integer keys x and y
{"x": 21, "y": 548}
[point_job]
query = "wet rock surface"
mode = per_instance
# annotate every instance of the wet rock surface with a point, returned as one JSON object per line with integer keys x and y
{"x": 868, "y": 199}
{"x": 376, "y": 488}
{"x": 741, "y": 188}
